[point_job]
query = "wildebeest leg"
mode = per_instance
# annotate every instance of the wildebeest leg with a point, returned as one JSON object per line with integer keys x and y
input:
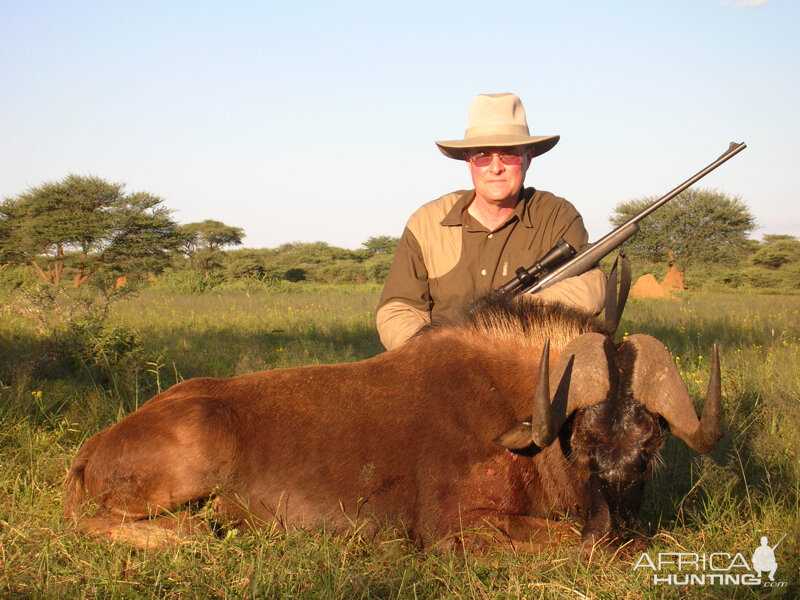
{"x": 517, "y": 531}
{"x": 151, "y": 465}
{"x": 531, "y": 533}
{"x": 147, "y": 533}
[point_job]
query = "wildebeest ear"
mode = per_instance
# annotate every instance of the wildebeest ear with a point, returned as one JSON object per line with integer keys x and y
{"x": 516, "y": 438}
{"x": 580, "y": 379}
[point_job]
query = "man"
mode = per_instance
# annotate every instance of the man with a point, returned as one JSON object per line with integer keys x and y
{"x": 467, "y": 243}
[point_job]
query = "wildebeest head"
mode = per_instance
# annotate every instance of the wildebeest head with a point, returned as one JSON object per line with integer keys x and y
{"x": 606, "y": 409}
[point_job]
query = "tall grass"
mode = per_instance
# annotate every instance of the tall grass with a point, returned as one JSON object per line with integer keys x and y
{"x": 748, "y": 487}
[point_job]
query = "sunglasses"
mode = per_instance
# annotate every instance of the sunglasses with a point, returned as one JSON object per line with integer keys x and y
{"x": 484, "y": 159}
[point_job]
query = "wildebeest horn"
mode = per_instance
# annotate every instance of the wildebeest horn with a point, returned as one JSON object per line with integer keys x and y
{"x": 580, "y": 379}
{"x": 541, "y": 424}
{"x": 657, "y": 384}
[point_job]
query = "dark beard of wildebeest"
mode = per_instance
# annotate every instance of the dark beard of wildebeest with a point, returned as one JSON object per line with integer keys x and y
{"x": 465, "y": 430}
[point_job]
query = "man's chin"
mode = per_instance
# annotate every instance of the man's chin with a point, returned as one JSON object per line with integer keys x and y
{"x": 499, "y": 196}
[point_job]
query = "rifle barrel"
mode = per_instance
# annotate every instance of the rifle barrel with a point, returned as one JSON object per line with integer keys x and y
{"x": 591, "y": 255}
{"x": 779, "y": 542}
{"x": 732, "y": 151}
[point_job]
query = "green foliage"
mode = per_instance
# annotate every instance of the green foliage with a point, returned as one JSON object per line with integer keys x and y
{"x": 315, "y": 261}
{"x": 378, "y": 266}
{"x": 382, "y": 244}
{"x": 69, "y": 335}
{"x": 697, "y": 227}
{"x": 88, "y": 227}
{"x": 13, "y": 276}
{"x": 769, "y": 238}
{"x": 773, "y": 266}
{"x": 187, "y": 281}
{"x": 341, "y": 271}
{"x": 314, "y": 253}
{"x": 241, "y": 264}
{"x": 295, "y": 262}
{"x": 202, "y": 242}
{"x": 785, "y": 279}
{"x": 777, "y": 251}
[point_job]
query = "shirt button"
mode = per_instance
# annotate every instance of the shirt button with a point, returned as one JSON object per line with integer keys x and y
{"x": 490, "y": 236}
{"x": 483, "y": 271}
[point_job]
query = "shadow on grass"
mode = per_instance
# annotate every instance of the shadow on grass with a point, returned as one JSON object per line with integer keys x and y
{"x": 228, "y": 352}
{"x": 47, "y": 378}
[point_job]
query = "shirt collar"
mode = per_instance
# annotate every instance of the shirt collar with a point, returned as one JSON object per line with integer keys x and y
{"x": 453, "y": 217}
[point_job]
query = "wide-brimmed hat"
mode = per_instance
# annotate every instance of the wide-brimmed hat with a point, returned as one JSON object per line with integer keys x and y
{"x": 496, "y": 121}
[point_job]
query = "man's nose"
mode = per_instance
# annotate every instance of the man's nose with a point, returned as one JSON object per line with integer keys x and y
{"x": 496, "y": 165}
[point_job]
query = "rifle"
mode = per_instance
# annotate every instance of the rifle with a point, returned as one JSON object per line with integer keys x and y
{"x": 563, "y": 261}
{"x": 779, "y": 542}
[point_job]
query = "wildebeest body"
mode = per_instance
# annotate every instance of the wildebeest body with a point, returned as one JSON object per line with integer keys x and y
{"x": 402, "y": 439}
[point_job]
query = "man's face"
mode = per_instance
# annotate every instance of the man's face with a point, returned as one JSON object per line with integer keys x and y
{"x": 498, "y": 182}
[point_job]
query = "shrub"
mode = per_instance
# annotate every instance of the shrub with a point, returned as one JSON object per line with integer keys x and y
{"x": 340, "y": 271}
{"x": 378, "y": 266}
{"x": 778, "y": 253}
{"x": 73, "y": 336}
{"x": 244, "y": 265}
{"x": 187, "y": 281}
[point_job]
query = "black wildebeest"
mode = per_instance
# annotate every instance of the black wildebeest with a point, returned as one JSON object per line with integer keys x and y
{"x": 433, "y": 437}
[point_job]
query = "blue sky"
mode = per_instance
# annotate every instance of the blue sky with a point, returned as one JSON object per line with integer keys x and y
{"x": 308, "y": 121}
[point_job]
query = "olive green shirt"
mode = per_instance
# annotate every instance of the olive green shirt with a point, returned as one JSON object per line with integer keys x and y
{"x": 446, "y": 258}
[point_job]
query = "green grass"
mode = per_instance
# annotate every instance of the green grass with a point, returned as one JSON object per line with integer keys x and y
{"x": 749, "y": 486}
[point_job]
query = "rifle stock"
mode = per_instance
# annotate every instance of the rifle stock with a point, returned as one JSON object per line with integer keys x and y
{"x": 590, "y": 255}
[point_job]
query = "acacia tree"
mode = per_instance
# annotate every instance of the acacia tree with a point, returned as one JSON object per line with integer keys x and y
{"x": 202, "y": 242}
{"x": 698, "y": 226}
{"x": 88, "y": 225}
{"x": 381, "y": 244}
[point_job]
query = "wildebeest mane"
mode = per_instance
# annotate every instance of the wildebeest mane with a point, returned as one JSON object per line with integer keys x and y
{"x": 521, "y": 320}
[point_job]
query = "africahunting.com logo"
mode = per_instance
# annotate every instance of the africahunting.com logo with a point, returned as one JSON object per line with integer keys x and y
{"x": 715, "y": 568}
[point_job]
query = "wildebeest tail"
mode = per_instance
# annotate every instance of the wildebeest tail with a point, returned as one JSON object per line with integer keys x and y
{"x": 74, "y": 487}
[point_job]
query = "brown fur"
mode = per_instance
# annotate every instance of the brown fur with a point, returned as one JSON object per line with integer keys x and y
{"x": 403, "y": 439}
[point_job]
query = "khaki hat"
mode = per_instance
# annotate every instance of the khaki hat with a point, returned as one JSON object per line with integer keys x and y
{"x": 496, "y": 121}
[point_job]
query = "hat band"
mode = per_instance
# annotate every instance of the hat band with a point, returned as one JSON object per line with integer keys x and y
{"x": 496, "y": 129}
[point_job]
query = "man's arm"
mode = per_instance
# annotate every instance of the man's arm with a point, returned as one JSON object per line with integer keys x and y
{"x": 586, "y": 292}
{"x": 405, "y": 304}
